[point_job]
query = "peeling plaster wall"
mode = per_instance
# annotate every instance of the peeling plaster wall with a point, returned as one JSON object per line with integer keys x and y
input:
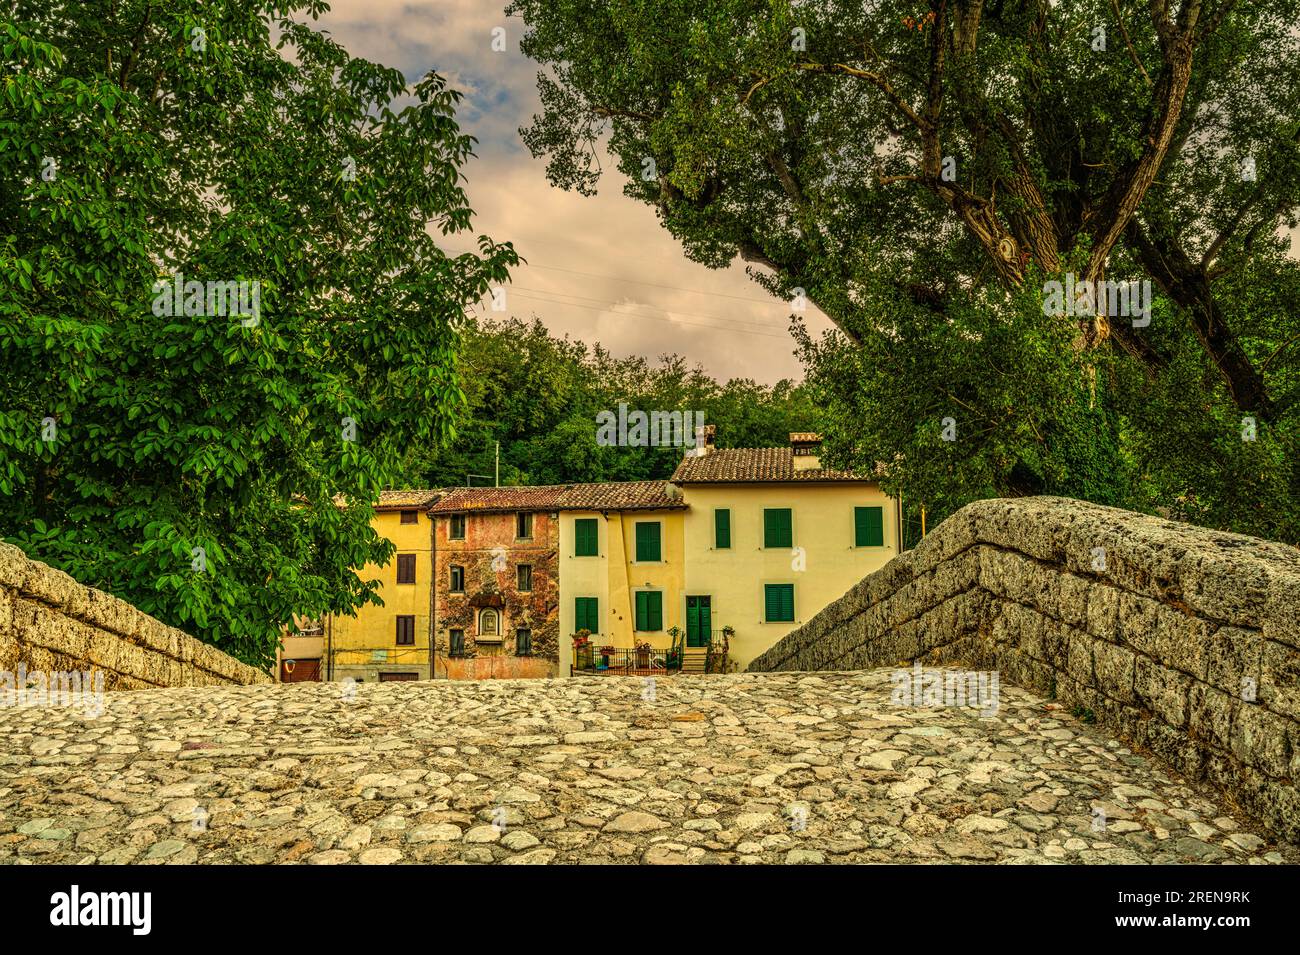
{"x": 489, "y": 538}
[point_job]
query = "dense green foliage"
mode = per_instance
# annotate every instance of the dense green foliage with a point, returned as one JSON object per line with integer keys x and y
{"x": 539, "y": 397}
{"x": 191, "y": 464}
{"x": 921, "y": 171}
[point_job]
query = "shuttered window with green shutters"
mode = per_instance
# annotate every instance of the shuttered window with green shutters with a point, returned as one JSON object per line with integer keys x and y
{"x": 778, "y": 527}
{"x": 586, "y": 537}
{"x": 722, "y": 528}
{"x": 647, "y": 542}
{"x": 586, "y": 614}
{"x": 778, "y": 602}
{"x": 869, "y": 526}
{"x": 649, "y": 610}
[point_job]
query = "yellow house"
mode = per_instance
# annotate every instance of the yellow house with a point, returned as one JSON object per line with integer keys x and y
{"x": 771, "y": 538}
{"x": 390, "y": 642}
{"x": 622, "y": 567}
{"x": 741, "y": 546}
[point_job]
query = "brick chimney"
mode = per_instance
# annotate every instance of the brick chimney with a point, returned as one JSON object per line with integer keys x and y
{"x": 805, "y": 448}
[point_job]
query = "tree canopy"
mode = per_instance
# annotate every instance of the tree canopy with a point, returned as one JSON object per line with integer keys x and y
{"x": 188, "y": 461}
{"x": 539, "y": 395}
{"x": 921, "y": 171}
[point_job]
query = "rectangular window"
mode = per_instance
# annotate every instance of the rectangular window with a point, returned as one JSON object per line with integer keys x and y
{"x": 869, "y": 526}
{"x": 586, "y": 614}
{"x": 406, "y": 568}
{"x": 405, "y": 631}
{"x": 457, "y": 579}
{"x": 647, "y": 541}
{"x": 649, "y": 610}
{"x": 456, "y": 643}
{"x": 410, "y": 517}
{"x": 523, "y": 525}
{"x": 586, "y": 537}
{"x": 524, "y": 573}
{"x": 456, "y": 530}
{"x": 722, "y": 528}
{"x": 523, "y": 642}
{"x": 778, "y": 603}
{"x": 778, "y": 527}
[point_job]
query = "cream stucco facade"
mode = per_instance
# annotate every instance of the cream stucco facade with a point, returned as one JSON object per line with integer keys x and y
{"x": 823, "y": 562}
{"x": 613, "y": 576}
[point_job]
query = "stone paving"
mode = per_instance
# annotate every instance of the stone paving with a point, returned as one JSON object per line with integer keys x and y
{"x": 744, "y": 768}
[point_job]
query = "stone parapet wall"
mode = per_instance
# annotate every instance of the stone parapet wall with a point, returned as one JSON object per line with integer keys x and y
{"x": 1184, "y": 641}
{"x": 52, "y": 624}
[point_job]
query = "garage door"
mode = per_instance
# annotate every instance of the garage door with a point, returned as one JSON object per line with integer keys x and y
{"x": 299, "y": 671}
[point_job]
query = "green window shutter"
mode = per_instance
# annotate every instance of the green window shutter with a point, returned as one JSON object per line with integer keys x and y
{"x": 586, "y": 537}
{"x": 649, "y": 610}
{"x": 586, "y": 614}
{"x": 869, "y": 526}
{"x": 777, "y": 527}
{"x": 647, "y": 541}
{"x": 778, "y": 602}
{"x": 722, "y": 528}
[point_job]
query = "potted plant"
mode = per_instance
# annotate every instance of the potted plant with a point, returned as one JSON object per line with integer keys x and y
{"x": 642, "y": 653}
{"x": 718, "y": 661}
{"x": 605, "y": 654}
{"x": 582, "y": 649}
{"x": 673, "y": 659}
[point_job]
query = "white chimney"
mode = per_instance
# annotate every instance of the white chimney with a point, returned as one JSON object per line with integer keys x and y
{"x": 805, "y": 448}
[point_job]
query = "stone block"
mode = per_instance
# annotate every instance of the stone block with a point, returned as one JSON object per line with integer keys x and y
{"x": 1232, "y": 656}
{"x": 1210, "y": 715}
{"x": 1163, "y": 691}
{"x": 1279, "y": 679}
{"x": 1114, "y": 668}
{"x": 1263, "y": 740}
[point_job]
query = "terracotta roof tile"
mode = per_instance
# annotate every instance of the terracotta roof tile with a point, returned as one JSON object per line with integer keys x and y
{"x": 539, "y": 498}
{"x": 622, "y": 495}
{"x": 610, "y": 495}
{"x": 752, "y": 465}
{"x": 406, "y": 498}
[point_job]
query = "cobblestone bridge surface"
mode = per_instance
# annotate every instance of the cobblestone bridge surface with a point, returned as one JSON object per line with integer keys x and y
{"x": 789, "y": 767}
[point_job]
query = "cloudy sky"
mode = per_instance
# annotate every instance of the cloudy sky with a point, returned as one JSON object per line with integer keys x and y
{"x": 601, "y": 268}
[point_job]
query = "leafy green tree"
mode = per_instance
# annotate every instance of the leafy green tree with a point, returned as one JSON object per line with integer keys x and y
{"x": 189, "y": 461}
{"x": 539, "y": 396}
{"x": 921, "y": 170}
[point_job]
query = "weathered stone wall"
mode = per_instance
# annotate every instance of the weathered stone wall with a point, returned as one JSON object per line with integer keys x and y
{"x": 52, "y": 624}
{"x": 1183, "y": 641}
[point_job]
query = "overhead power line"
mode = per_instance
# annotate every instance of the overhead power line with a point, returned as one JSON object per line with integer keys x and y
{"x": 658, "y": 318}
{"x": 675, "y": 311}
{"x": 619, "y": 278}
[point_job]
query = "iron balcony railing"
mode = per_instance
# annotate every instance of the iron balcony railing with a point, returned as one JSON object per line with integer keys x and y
{"x": 590, "y": 659}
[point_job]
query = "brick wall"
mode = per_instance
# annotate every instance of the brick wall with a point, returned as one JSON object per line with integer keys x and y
{"x": 1183, "y": 641}
{"x": 52, "y": 624}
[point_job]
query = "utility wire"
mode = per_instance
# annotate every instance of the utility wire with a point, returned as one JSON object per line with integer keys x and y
{"x": 658, "y": 318}
{"x": 604, "y": 301}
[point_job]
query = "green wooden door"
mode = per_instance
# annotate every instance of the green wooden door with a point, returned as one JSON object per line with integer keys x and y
{"x": 699, "y": 621}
